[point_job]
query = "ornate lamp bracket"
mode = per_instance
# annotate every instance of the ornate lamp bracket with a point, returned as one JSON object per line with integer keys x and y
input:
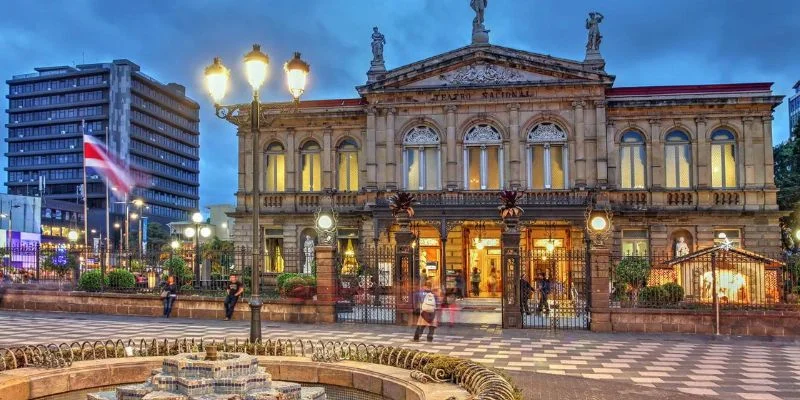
{"x": 598, "y": 224}
{"x": 325, "y": 223}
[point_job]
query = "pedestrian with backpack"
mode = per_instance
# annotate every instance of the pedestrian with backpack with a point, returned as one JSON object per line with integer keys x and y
{"x": 427, "y": 315}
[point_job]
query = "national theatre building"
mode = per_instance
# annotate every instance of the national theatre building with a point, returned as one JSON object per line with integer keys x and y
{"x": 674, "y": 164}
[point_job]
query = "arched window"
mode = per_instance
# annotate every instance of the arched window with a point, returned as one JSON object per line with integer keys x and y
{"x": 421, "y": 159}
{"x": 723, "y": 159}
{"x": 547, "y": 157}
{"x": 632, "y": 161}
{"x": 347, "y": 170}
{"x": 678, "y": 160}
{"x": 274, "y": 161}
{"x": 483, "y": 158}
{"x": 311, "y": 177}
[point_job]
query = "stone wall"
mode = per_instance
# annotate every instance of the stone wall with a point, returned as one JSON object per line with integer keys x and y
{"x": 282, "y": 310}
{"x": 746, "y": 323}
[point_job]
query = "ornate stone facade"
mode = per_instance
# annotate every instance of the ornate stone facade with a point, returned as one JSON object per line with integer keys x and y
{"x": 545, "y": 121}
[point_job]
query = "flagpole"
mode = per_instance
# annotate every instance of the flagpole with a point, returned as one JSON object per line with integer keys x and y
{"x": 85, "y": 192}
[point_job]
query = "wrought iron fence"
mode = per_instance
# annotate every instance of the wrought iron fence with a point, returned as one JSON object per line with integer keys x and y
{"x": 735, "y": 278}
{"x": 204, "y": 273}
{"x": 365, "y": 285}
{"x": 558, "y": 294}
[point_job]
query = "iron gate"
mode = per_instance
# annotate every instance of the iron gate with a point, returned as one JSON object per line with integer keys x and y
{"x": 365, "y": 285}
{"x": 559, "y": 279}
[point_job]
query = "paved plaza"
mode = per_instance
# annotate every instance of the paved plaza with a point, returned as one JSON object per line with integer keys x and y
{"x": 727, "y": 368}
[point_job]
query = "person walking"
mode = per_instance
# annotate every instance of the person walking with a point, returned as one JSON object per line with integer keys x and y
{"x": 427, "y": 315}
{"x": 544, "y": 289}
{"x": 235, "y": 290}
{"x": 169, "y": 294}
{"x": 450, "y": 305}
{"x": 525, "y": 290}
{"x": 475, "y": 279}
{"x": 491, "y": 281}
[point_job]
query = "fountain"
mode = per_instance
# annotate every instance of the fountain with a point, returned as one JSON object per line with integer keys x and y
{"x": 211, "y": 376}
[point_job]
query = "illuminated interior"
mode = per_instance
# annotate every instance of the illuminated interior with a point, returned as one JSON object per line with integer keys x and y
{"x": 731, "y": 286}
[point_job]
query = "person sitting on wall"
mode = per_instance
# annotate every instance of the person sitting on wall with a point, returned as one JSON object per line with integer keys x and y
{"x": 235, "y": 290}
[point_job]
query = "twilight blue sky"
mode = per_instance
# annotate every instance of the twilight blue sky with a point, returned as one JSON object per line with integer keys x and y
{"x": 652, "y": 42}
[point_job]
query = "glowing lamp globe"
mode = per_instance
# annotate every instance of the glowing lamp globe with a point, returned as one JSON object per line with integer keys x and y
{"x": 72, "y": 236}
{"x": 189, "y": 232}
{"x": 550, "y": 247}
{"x": 598, "y": 223}
{"x": 205, "y": 231}
{"x": 175, "y": 244}
{"x": 197, "y": 218}
{"x": 325, "y": 222}
{"x": 296, "y": 75}
{"x": 255, "y": 66}
{"x": 217, "y": 77}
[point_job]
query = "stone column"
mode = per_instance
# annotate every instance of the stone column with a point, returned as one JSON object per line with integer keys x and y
{"x": 327, "y": 152}
{"x": 452, "y": 154}
{"x": 510, "y": 274}
{"x": 404, "y": 272}
{"x": 748, "y": 153}
{"x": 655, "y": 156}
{"x": 513, "y": 159}
{"x": 599, "y": 263}
{"x": 602, "y": 149}
{"x": 380, "y": 148}
{"x": 326, "y": 282}
{"x": 702, "y": 154}
{"x": 769, "y": 161}
{"x": 391, "y": 166}
{"x": 372, "y": 173}
{"x": 580, "y": 150}
{"x": 291, "y": 154}
{"x": 612, "y": 152}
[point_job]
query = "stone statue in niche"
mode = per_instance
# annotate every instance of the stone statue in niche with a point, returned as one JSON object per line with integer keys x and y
{"x": 681, "y": 248}
{"x": 593, "y": 25}
{"x": 309, "y": 252}
{"x": 378, "y": 41}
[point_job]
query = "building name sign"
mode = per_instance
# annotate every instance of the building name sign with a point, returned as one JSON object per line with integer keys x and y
{"x": 484, "y": 95}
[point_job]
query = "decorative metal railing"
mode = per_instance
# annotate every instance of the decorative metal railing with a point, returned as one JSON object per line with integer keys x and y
{"x": 481, "y": 382}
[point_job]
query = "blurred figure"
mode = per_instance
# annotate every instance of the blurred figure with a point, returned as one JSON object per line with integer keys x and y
{"x": 525, "y": 290}
{"x": 427, "y": 315}
{"x": 475, "y": 280}
{"x": 543, "y": 287}
{"x": 450, "y": 305}
{"x": 491, "y": 281}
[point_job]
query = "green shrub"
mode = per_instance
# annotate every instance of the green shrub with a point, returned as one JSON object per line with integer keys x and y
{"x": 90, "y": 281}
{"x": 177, "y": 268}
{"x": 283, "y": 278}
{"x": 674, "y": 293}
{"x": 187, "y": 288}
{"x": 121, "y": 279}
{"x": 61, "y": 263}
{"x": 632, "y": 271}
{"x": 652, "y": 296}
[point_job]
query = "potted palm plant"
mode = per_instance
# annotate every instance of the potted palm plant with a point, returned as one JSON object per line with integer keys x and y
{"x": 509, "y": 210}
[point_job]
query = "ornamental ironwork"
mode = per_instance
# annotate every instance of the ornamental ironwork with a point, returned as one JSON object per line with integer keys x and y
{"x": 483, "y": 134}
{"x": 545, "y": 133}
{"x": 421, "y": 135}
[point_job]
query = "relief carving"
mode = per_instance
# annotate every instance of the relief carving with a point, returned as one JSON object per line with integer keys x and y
{"x": 482, "y": 74}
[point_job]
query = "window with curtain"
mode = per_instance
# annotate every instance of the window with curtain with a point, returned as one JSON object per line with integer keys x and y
{"x": 310, "y": 167}
{"x": 547, "y": 157}
{"x": 274, "y": 161}
{"x": 634, "y": 242}
{"x": 483, "y": 158}
{"x": 723, "y": 159}
{"x": 678, "y": 160}
{"x": 421, "y": 159}
{"x": 347, "y": 170}
{"x": 632, "y": 161}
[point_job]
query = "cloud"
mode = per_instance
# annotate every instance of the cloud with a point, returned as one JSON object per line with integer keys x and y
{"x": 645, "y": 43}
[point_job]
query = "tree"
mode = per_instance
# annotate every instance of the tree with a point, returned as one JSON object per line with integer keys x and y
{"x": 219, "y": 253}
{"x": 787, "y": 179}
{"x": 157, "y": 236}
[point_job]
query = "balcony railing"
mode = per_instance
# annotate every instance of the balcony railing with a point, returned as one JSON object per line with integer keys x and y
{"x": 492, "y": 199}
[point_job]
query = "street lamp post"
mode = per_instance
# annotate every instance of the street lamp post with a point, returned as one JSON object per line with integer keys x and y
{"x": 217, "y": 76}
{"x": 195, "y": 232}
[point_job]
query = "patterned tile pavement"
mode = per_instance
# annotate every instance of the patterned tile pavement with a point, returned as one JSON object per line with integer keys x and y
{"x": 728, "y": 368}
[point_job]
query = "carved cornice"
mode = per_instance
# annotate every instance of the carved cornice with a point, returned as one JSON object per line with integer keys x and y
{"x": 767, "y": 118}
{"x": 578, "y": 104}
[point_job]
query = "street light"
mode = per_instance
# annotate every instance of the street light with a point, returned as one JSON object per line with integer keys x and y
{"x": 256, "y": 70}
{"x": 196, "y": 232}
{"x": 9, "y": 216}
